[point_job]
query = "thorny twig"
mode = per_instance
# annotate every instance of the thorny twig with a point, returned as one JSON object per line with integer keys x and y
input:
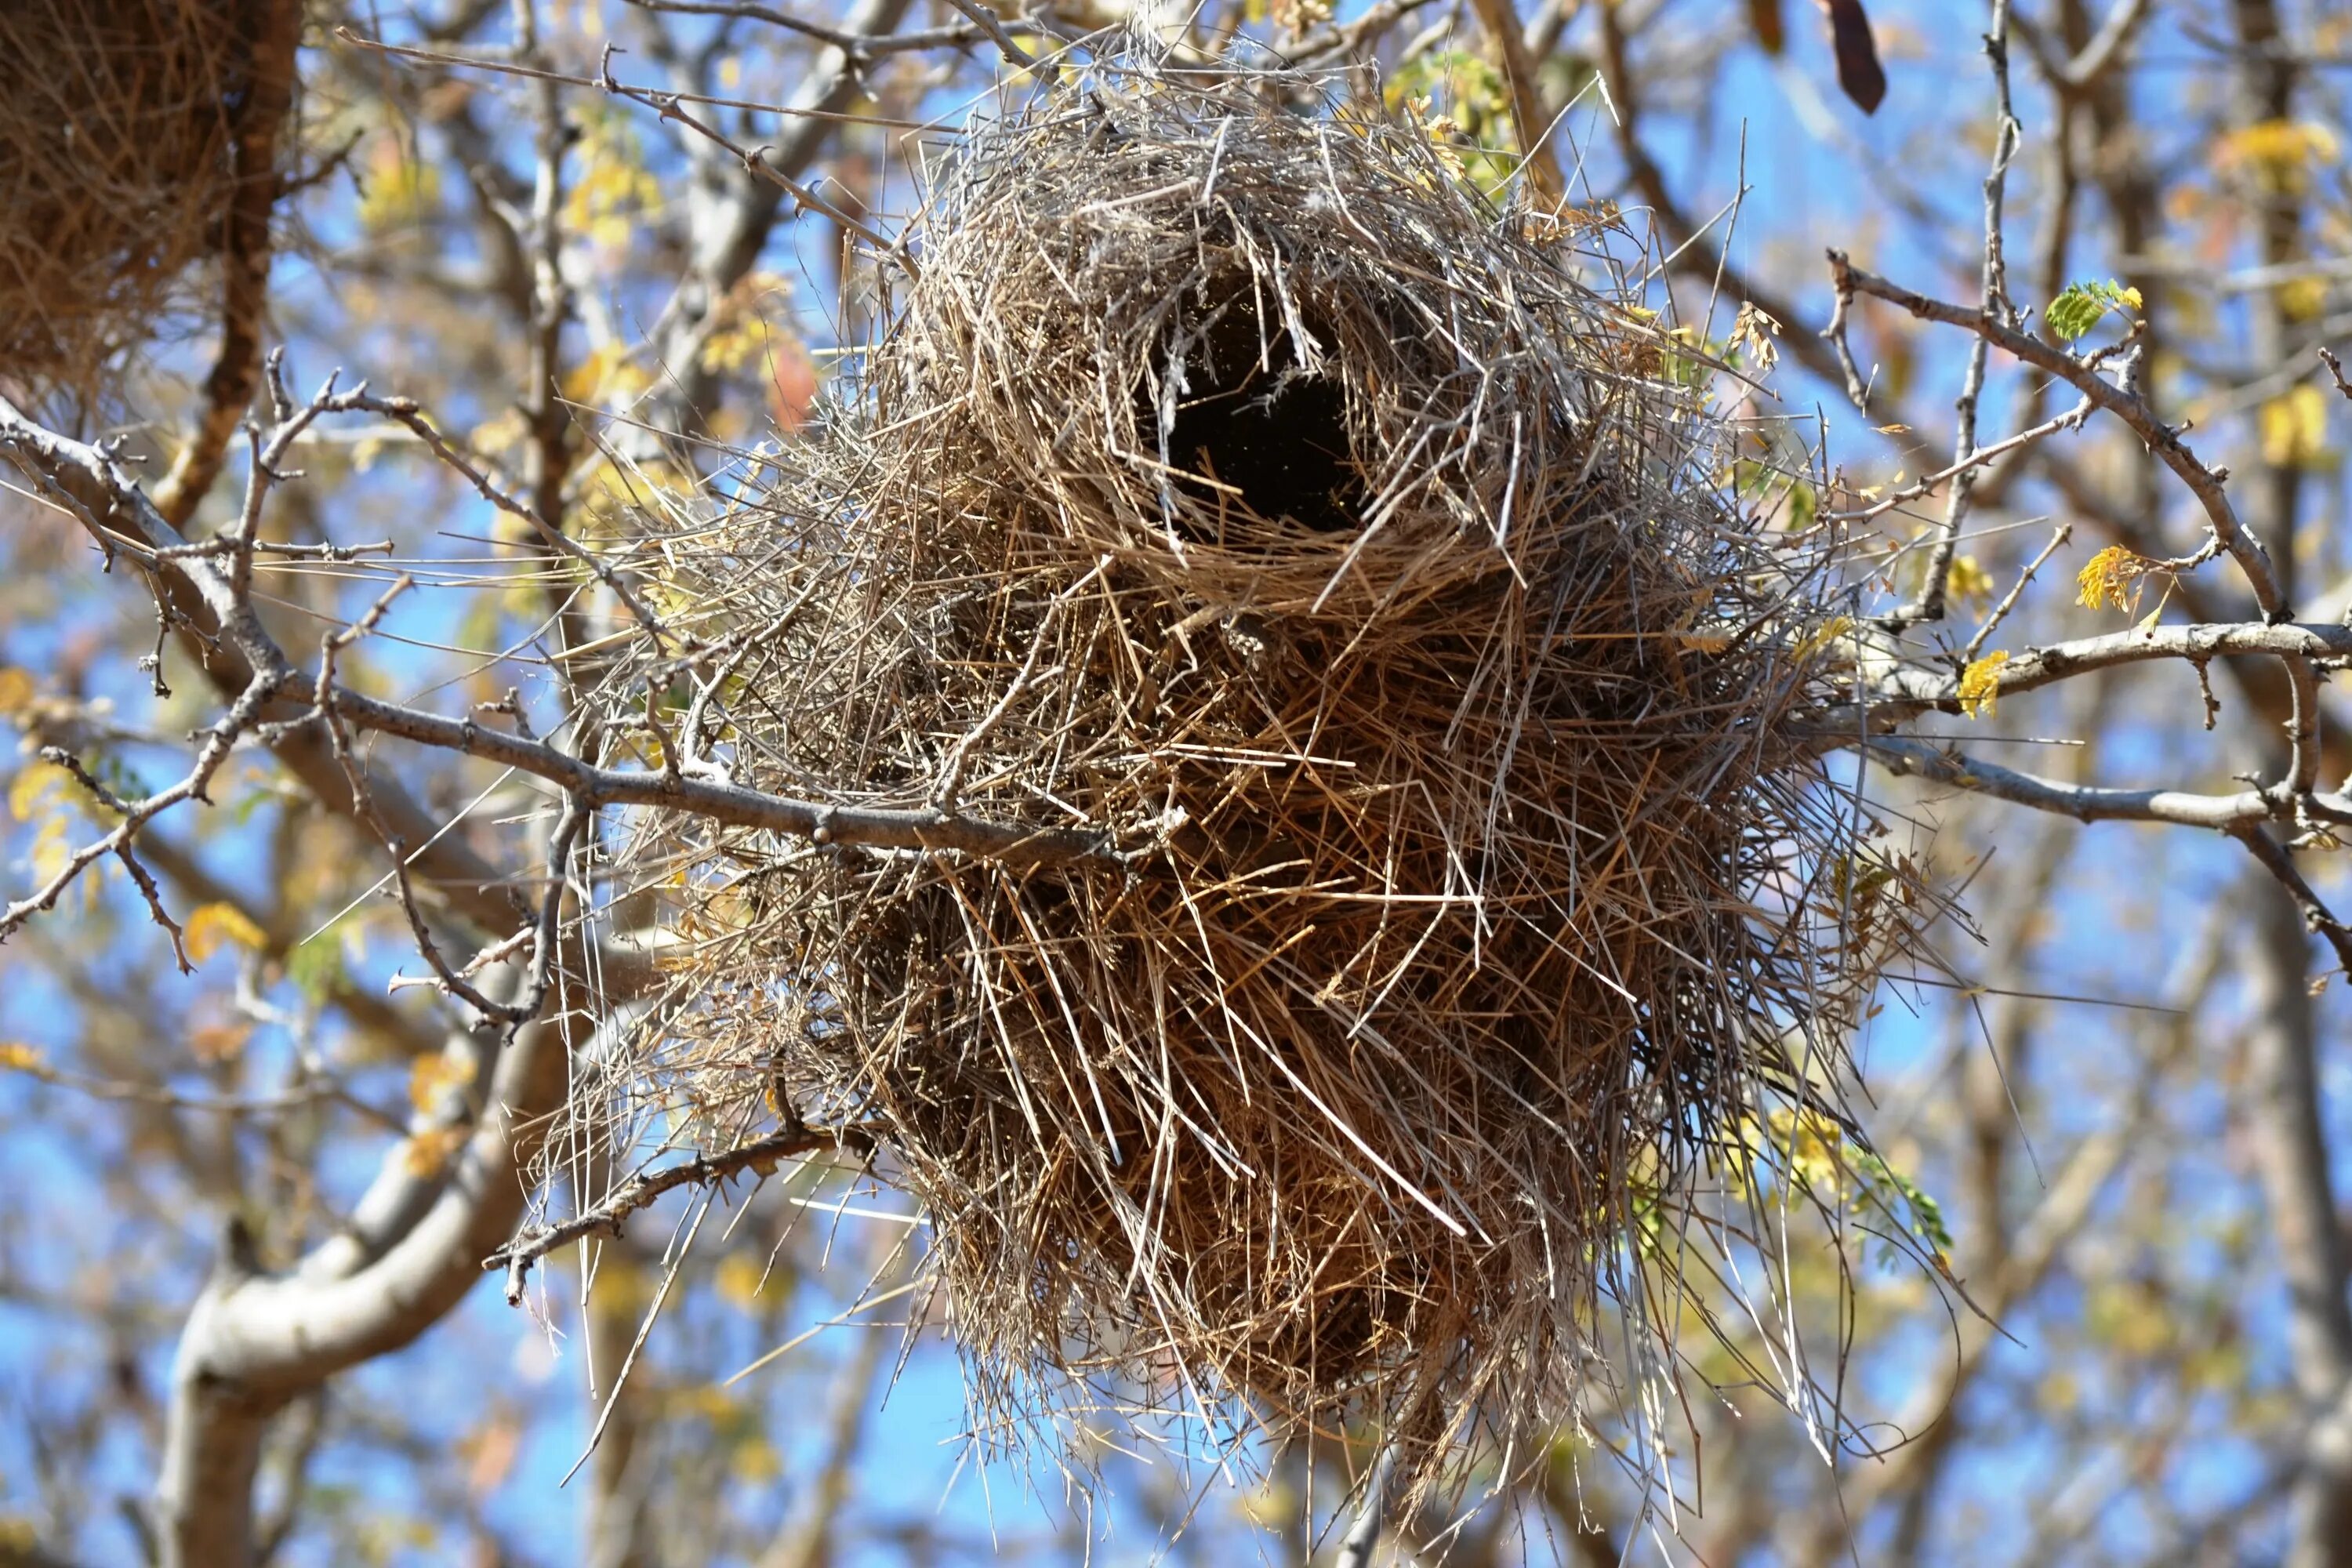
{"x": 1964, "y": 469}
{"x": 1999, "y": 611}
{"x": 2316, "y": 916}
{"x": 608, "y": 1217}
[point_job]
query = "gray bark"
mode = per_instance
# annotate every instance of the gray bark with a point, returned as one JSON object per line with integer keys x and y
{"x": 257, "y": 1341}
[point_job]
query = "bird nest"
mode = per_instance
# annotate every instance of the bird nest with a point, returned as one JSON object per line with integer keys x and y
{"x": 117, "y": 137}
{"x": 1419, "y": 883}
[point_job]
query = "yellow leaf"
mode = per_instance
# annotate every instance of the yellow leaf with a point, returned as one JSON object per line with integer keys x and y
{"x": 753, "y": 1460}
{"x": 16, "y": 690}
{"x": 503, "y": 432}
{"x": 1821, "y": 639}
{"x": 51, "y": 848}
{"x": 1968, "y": 579}
{"x": 427, "y": 1153}
{"x": 16, "y": 1055}
{"x": 211, "y": 925}
{"x": 2294, "y": 427}
{"x": 2300, "y": 299}
{"x": 432, "y": 1078}
{"x": 1980, "y": 685}
{"x": 2111, "y": 579}
{"x": 1272, "y": 1504}
{"x": 398, "y": 190}
{"x": 28, "y": 795}
{"x": 2278, "y": 154}
{"x": 736, "y": 1280}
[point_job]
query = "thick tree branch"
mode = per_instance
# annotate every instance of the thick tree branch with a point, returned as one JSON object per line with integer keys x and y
{"x": 246, "y": 251}
{"x": 1539, "y": 160}
{"x": 255, "y": 1341}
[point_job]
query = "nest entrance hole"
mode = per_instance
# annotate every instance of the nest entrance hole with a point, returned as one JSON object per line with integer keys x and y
{"x": 1252, "y": 419}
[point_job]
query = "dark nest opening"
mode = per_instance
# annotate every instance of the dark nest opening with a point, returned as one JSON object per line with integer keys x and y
{"x": 1340, "y": 556}
{"x": 1251, "y": 428}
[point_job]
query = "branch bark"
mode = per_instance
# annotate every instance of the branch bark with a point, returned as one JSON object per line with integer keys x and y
{"x": 255, "y": 1341}
{"x": 246, "y": 252}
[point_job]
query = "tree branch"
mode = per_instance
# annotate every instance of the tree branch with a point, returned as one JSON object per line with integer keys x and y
{"x": 246, "y": 253}
{"x": 255, "y": 1341}
{"x": 703, "y": 1170}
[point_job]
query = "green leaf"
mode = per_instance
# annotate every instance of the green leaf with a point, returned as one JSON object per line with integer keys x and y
{"x": 317, "y": 966}
{"x": 2080, "y": 307}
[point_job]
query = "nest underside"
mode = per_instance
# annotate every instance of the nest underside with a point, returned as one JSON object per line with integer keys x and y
{"x": 1237, "y": 490}
{"x": 117, "y": 140}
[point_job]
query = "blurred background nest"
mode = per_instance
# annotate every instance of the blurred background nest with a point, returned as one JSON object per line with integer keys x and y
{"x": 118, "y": 161}
{"x": 1345, "y": 565}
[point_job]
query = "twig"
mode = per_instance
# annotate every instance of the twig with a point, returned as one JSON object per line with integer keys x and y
{"x": 1995, "y": 304}
{"x": 2207, "y": 484}
{"x": 1999, "y": 611}
{"x": 1965, "y": 466}
{"x": 609, "y": 1216}
{"x": 2316, "y": 916}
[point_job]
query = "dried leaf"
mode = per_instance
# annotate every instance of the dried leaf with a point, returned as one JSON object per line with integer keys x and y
{"x": 212, "y": 1044}
{"x": 1859, "y": 72}
{"x": 1752, "y": 333}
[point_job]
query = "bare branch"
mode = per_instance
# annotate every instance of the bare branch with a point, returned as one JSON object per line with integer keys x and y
{"x": 607, "y": 1218}
{"x": 1995, "y": 305}
{"x": 2084, "y": 374}
{"x": 2316, "y": 916}
{"x": 2086, "y": 803}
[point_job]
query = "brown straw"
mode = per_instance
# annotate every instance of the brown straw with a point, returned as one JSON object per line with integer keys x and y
{"x": 1239, "y": 485}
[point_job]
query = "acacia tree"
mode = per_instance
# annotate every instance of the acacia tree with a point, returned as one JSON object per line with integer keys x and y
{"x": 578, "y": 255}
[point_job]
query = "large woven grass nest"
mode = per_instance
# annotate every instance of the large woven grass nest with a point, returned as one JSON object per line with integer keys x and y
{"x": 1236, "y": 488}
{"x": 116, "y": 134}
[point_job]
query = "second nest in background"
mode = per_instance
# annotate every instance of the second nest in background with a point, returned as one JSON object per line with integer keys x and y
{"x": 1427, "y": 883}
